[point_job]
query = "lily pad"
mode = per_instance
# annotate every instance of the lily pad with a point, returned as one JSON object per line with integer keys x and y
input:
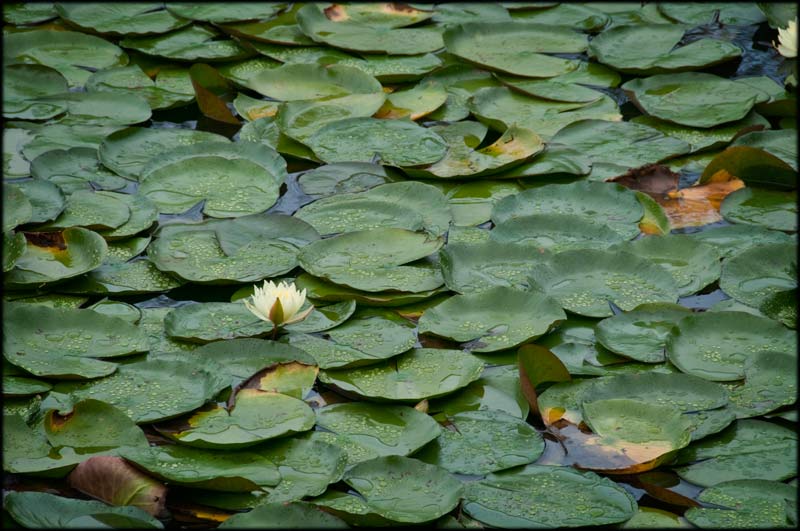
{"x": 151, "y": 390}
{"x": 159, "y": 93}
{"x": 191, "y": 43}
{"x": 13, "y": 247}
{"x": 94, "y": 425}
{"x": 240, "y": 471}
{"x": 414, "y": 103}
{"x": 343, "y": 177}
{"x": 323, "y": 26}
{"x": 373, "y": 260}
{"x": 499, "y": 46}
{"x": 40, "y": 509}
{"x": 127, "y": 151}
{"x": 210, "y": 321}
{"x": 121, "y": 19}
{"x": 474, "y": 267}
{"x": 21, "y": 386}
{"x": 748, "y": 449}
{"x": 245, "y": 249}
{"x": 782, "y": 143}
{"x": 292, "y": 82}
{"x": 771, "y": 209}
{"x": 182, "y": 177}
{"x": 411, "y": 376}
{"x": 695, "y": 99}
{"x": 565, "y": 498}
{"x": 396, "y": 142}
{"x": 746, "y": 504}
{"x": 290, "y": 515}
{"x": 23, "y": 84}
{"x": 755, "y": 166}
{"x": 91, "y": 210}
{"x": 500, "y": 108}
{"x": 46, "y": 199}
{"x": 555, "y": 232}
{"x": 18, "y": 210}
{"x": 47, "y": 47}
{"x": 230, "y": 12}
{"x": 492, "y": 319}
{"x": 601, "y": 203}
{"x": 255, "y": 417}
{"x": 102, "y": 108}
{"x": 481, "y": 442}
{"x": 732, "y": 239}
{"x": 615, "y": 147}
{"x": 755, "y": 274}
{"x": 302, "y": 119}
{"x": 770, "y": 381}
{"x": 377, "y": 430}
{"x": 403, "y": 489}
{"x": 123, "y": 278}
{"x": 641, "y": 333}
{"x": 586, "y": 281}
{"x": 653, "y": 49}
{"x": 738, "y": 14}
{"x": 405, "y": 205}
{"x": 716, "y": 345}
{"x": 705, "y": 139}
{"x": 692, "y": 264}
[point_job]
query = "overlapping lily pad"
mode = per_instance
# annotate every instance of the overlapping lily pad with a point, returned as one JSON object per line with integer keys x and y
{"x": 411, "y": 376}
{"x": 493, "y": 319}
{"x": 586, "y": 281}
{"x": 716, "y": 345}
{"x": 759, "y": 206}
{"x": 746, "y": 503}
{"x": 473, "y": 267}
{"x": 642, "y": 332}
{"x": 191, "y": 43}
{"x": 24, "y": 84}
{"x": 755, "y": 274}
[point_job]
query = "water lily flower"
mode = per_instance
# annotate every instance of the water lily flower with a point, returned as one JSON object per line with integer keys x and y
{"x": 787, "y": 40}
{"x": 279, "y": 304}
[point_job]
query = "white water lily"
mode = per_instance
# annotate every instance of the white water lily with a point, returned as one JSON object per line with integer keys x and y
{"x": 787, "y": 40}
{"x": 278, "y": 304}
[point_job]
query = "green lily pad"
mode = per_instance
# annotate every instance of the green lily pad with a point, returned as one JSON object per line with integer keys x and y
{"x": 405, "y": 205}
{"x": 396, "y": 142}
{"x": 770, "y": 381}
{"x": 152, "y": 322}
{"x": 13, "y": 247}
{"x": 61, "y": 136}
{"x": 641, "y": 333}
{"x": 350, "y": 508}
{"x": 653, "y": 49}
{"x": 102, "y": 108}
{"x": 143, "y": 214}
{"x": 91, "y": 210}
{"x": 499, "y": 46}
{"x": 14, "y": 140}
{"x": 716, "y": 345}
{"x": 782, "y": 143}
{"x": 67, "y": 332}
{"x": 555, "y": 232}
{"x": 703, "y": 139}
{"x": 256, "y": 416}
{"x": 474, "y": 267}
{"x": 123, "y": 278}
{"x": 414, "y": 103}
{"x": 21, "y": 386}
{"x": 377, "y": 430}
{"x": 46, "y": 199}
{"x": 290, "y": 515}
{"x": 585, "y": 281}
{"x": 497, "y": 389}
{"x": 746, "y": 504}
{"x": 218, "y": 13}
{"x": 132, "y": 80}
{"x": 732, "y": 239}
{"x": 501, "y": 107}
{"x": 151, "y": 390}
{"x": 210, "y": 321}
{"x": 69, "y": 52}
{"x": 182, "y": 177}
{"x": 748, "y": 449}
{"x": 693, "y": 265}
{"x": 578, "y": 16}
{"x": 565, "y": 498}
{"x": 344, "y": 177}
{"x": 18, "y": 210}
{"x": 601, "y": 203}
{"x": 127, "y": 151}
{"x": 471, "y": 203}
{"x": 615, "y": 147}
{"x": 753, "y": 275}
{"x": 781, "y": 307}
{"x": 738, "y": 14}
{"x": 26, "y": 450}
{"x": 23, "y": 84}
{"x": 301, "y": 119}
{"x": 411, "y": 376}
{"x": 244, "y": 249}
{"x": 492, "y": 319}
{"x": 292, "y": 82}
{"x": 373, "y": 260}
{"x": 695, "y": 99}
{"x": 481, "y": 442}
{"x": 124, "y": 250}
{"x": 322, "y": 26}
{"x": 755, "y": 166}
{"x": 123, "y": 310}
{"x": 771, "y": 209}
{"x": 42, "y": 510}
{"x": 21, "y": 14}
{"x": 95, "y": 425}
{"x": 365, "y": 339}
{"x": 405, "y": 490}
{"x": 306, "y": 467}
{"x": 263, "y": 130}
{"x": 324, "y": 317}
{"x": 121, "y": 19}
{"x": 191, "y": 43}
{"x": 240, "y": 471}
